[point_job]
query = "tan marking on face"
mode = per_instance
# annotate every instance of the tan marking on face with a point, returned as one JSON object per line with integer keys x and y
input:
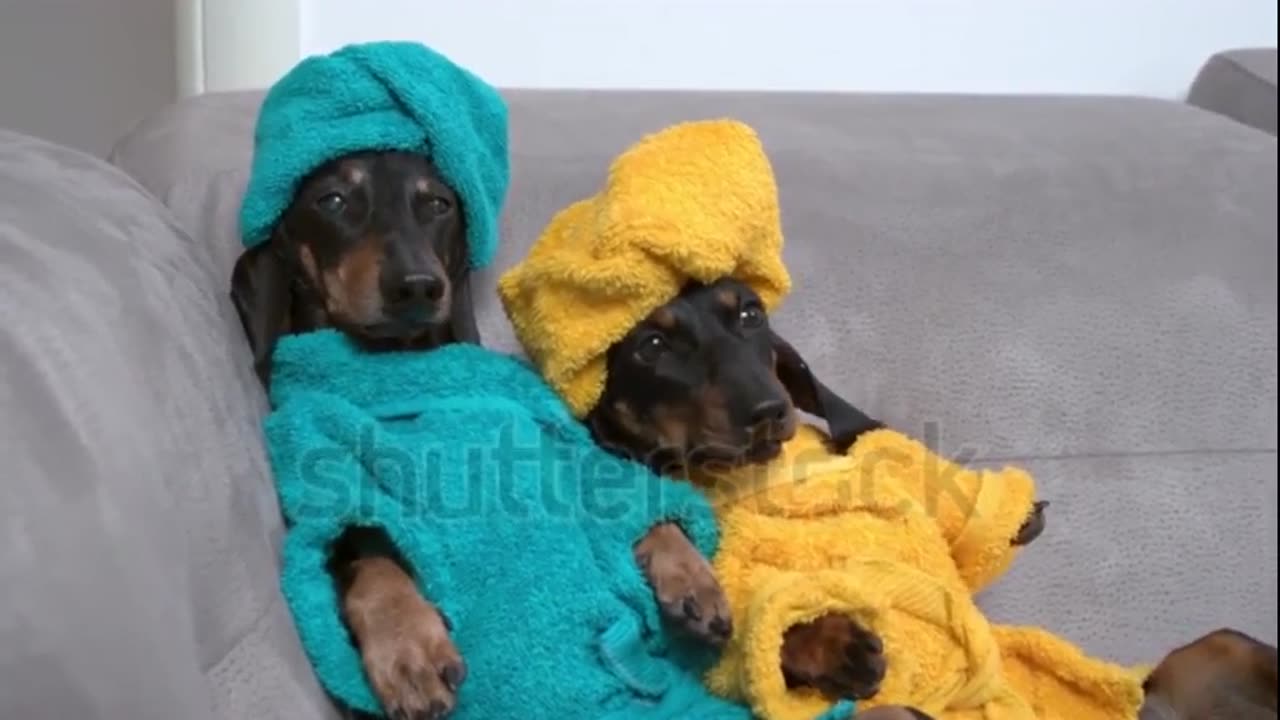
{"x": 309, "y": 264}
{"x": 351, "y": 288}
{"x": 353, "y": 174}
{"x": 663, "y": 318}
{"x": 672, "y": 426}
{"x": 423, "y": 185}
{"x": 727, "y": 298}
{"x": 625, "y": 417}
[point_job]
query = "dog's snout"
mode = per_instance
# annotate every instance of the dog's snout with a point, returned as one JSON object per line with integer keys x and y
{"x": 414, "y": 282}
{"x": 416, "y": 297}
{"x": 769, "y": 412}
{"x": 417, "y": 287}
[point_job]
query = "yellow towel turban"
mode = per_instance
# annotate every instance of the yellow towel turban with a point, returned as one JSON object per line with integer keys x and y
{"x": 694, "y": 202}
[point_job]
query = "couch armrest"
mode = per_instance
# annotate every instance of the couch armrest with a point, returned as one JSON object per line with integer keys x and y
{"x": 1240, "y": 84}
{"x": 140, "y": 529}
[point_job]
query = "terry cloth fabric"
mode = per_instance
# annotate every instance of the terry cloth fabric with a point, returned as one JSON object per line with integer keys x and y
{"x": 694, "y": 202}
{"x": 516, "y": 525}
{"x": 381, "y": 96}
{"x": 889, "y": 533}
{"x": 899, "y": 539}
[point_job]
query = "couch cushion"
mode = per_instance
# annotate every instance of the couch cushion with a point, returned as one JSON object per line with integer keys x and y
{"x": 1240, "y": 84}
{"x": 139, "y": 561}
{"x": 1085, "y": 285}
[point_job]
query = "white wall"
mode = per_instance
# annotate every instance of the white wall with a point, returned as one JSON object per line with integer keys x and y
{"x": 1146, "y": 47}
{"x": 234, "y": 44}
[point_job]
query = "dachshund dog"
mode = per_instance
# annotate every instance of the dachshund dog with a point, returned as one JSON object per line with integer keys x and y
{"x": 1225, "y": 674}
{"x": 374, "y": 245}
{"x": 704, "y": 379}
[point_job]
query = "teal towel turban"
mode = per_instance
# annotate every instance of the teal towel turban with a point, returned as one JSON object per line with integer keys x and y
{"x": 381, "y": 96}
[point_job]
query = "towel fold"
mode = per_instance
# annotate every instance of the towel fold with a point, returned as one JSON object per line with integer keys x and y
{"x": 381, "y": 96}
{"x": 1060, "y": 682}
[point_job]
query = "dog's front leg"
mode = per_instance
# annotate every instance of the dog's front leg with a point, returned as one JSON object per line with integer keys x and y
{"x": 834, "y": 655}
{"x": 409, "y": 659}
{"x": 684, "y": 584}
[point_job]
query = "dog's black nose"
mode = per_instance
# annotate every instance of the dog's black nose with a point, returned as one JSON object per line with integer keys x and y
{"x": 769, "y": 411}
{"x": 417, "y": 287}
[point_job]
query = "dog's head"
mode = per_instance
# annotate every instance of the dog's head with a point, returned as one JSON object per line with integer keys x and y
{"x": 1222, "y": 674}
{"x": 373, "y": 244}
{"x": 705, "y": 379}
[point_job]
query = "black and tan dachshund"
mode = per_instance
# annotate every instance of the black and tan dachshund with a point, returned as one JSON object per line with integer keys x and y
{"x": 374, "y": 245}
{"x": 704, "y": 379}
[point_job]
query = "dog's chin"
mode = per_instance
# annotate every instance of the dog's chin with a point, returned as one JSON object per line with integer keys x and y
{"x": 763, "y": 452}
{"x": 765, "y": 447}
{"x": 714, "y": 456}
{"x": 386, "y": 331}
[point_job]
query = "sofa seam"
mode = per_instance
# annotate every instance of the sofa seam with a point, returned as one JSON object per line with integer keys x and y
{"x": 253, "y": 627}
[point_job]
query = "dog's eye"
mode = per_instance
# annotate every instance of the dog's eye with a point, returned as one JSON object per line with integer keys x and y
{"x": 437, "y": 205}
{"x": 651, "y": 347}
{"x": 751, "y": 316}
{"x": 332, "y": 203}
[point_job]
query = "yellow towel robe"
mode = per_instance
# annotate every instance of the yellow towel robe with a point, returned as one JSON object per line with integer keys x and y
{"x": 899, "y": 539}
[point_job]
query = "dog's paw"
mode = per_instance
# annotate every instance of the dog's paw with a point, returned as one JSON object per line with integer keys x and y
{"x": 835, "y": 656}
{"x": 685, "y": 585}
{"x": 1033, "y": 526}
{"x": 412, "y": 664}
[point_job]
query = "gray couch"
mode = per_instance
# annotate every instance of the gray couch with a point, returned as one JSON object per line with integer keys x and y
{"x": 1085, "y": 286}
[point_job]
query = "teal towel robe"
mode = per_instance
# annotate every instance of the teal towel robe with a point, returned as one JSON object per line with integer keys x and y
{"x": 516, "y": 524}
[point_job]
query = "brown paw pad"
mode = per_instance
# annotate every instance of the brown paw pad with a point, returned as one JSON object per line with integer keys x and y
{"x": 414, "y": 668}
{"x": 704, "y": 615}
{"x": 835, "y": 656}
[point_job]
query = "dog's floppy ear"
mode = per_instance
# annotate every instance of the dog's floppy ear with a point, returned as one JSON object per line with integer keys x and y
{"x": 462, "y": 314}
{"x": 844, "y": 421}
{"x": 261, "y": 293}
